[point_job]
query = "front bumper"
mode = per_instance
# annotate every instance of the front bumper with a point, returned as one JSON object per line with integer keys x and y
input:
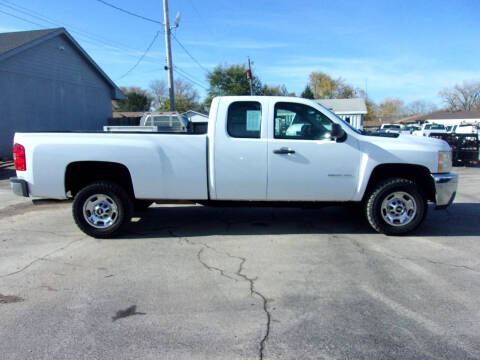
{"x": 445, "y": 189}
{"x": 19, "y": 186}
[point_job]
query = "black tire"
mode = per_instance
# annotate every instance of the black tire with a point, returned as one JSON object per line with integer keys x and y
{"x": 142, "y": 205}
{"x": 378, "y": 217}
{"x": 116, "y": 195}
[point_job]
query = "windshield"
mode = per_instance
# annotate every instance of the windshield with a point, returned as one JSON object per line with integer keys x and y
{"x": 434, "y": 127}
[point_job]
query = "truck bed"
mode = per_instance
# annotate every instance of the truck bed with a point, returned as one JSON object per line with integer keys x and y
{"x": 161, "y": 165}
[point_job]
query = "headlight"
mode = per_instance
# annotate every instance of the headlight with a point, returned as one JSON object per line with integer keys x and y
{"x": 444, "y": 161}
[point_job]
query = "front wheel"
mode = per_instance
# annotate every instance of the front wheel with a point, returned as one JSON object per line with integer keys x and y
{"x": 101, "y": 209}
{"x": 396, "y": 206}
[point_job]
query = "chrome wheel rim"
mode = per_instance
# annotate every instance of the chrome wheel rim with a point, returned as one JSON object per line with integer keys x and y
{"x": 100, "y": 211}
{"x": 399, "y": 208}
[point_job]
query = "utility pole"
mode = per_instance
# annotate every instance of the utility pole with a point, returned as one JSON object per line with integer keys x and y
{"x": 249, "y": 76}
{"x": 169, "y": 66}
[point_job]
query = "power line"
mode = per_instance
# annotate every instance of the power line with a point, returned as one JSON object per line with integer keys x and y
{"x": 201, "y": 18}
{"x": 188, "y": 79}
{"x": 191, "y": 56}
{"x": 80, "y": 32}
{"x": 46, "y": 19}
{"x": 187, "y": 74}
{"x": 18, "y": 17}
{"x": 130, "y": 13}
{"x": 39, "y": 16}
{"x": 24, "y": 12}
{"x": 130, "y": 70}
{"x": 96, "y": 38}
{"x": 141, "y": 57}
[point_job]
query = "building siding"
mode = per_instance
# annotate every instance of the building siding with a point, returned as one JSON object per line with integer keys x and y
{"x": 50, "y": 87}
{"x": 356, "y": 120}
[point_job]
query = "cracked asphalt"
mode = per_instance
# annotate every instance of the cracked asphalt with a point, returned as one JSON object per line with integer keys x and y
{"x": 189, "y": 282}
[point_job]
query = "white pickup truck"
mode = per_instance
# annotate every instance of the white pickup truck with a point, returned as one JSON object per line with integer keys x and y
{"x": 428, "y": 129}
{"x": 259, "y": 151}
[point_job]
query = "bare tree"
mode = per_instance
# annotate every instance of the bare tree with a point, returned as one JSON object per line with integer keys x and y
{"x": 420, "y": 107}
{"x": 186, "y": 98}
{"x": 464, "y": 97}
{"x": 159, "y": 92}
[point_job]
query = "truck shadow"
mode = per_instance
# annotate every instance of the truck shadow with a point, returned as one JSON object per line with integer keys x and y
{"x": 461, "y": 219}
{"x": 6, "y": 172}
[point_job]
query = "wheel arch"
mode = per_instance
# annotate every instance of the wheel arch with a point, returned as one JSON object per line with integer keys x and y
{"x": 417, "y": 173}
{"x": 78, "y": 174}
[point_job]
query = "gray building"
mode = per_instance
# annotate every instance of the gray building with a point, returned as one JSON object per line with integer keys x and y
{"x": 350, "y": 110}
{"x": 47, "y": 83}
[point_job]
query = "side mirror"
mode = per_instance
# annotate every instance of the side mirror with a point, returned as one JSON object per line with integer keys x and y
{"x": 337, "y": 133}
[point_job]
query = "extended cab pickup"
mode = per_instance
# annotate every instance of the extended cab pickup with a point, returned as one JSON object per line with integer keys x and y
{"x": 259, "y": 150}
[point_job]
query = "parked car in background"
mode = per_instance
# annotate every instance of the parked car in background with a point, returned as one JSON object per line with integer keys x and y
{"x": 451, "y": 128}
{"x": 394, "y": 129}
{"x": 428, "y": 129}
{"x": 411, "y": 128}
{"x": 466, "y": 129}
{"x": 390, "y": 128}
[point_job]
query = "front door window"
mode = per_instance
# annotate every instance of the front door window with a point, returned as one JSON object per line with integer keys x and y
{"x": 301, "y": 122}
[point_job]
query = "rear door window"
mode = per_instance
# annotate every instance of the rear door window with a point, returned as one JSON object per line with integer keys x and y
{"x": 244, "y": 119}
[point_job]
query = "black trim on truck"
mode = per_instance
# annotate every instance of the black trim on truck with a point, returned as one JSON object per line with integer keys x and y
{"x": 19, "y": 186}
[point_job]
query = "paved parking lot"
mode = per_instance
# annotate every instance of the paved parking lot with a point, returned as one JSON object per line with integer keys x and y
{"x": 188, "y": 282}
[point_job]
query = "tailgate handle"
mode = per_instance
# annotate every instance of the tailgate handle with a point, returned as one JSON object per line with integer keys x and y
{"x": 284, "y": 150}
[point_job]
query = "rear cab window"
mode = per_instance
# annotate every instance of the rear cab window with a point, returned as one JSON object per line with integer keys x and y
{"x": 244, "y": 119}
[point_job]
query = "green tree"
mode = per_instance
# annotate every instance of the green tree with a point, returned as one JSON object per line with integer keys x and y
{"x": 231, "y": 80}
{"x": 137, "y": 100}
{"x": 279, "y": 90}
{"x": 326, "y": 87}
{"x": 371, "y": 110}
{"x": 391, "y": 109}
{"x": 307, "y": 93}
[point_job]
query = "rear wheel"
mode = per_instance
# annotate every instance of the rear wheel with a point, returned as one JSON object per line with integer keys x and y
{"x": 101, "y": 209}
{"x": 396, "y": 206}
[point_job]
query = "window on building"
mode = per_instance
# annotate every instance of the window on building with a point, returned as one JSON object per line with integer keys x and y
{"x": 347, "y": 119}
{"x": 244, "y": 119}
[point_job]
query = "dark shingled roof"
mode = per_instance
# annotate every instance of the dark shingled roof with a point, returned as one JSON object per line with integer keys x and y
{"x": 453, "y": 115}
{"x": 13, "y": 40}
{"x": 441, "y": 115}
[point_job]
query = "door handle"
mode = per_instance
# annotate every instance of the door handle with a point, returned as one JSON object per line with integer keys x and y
{"x": 284, "y": 150}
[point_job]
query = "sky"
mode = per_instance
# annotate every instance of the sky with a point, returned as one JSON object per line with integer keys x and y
{"x": 398, "y": 49}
